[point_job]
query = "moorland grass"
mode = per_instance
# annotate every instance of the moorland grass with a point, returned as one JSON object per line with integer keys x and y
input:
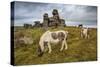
{"x": 79, "y": 49}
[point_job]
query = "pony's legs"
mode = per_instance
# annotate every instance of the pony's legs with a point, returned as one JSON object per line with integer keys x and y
{"x": 65, "y": 44}
{"x": 86, "y": 36}
{"x": 81, "y": 35}
{"x": 49, "y": 46}
{"x": 62, "y": 46}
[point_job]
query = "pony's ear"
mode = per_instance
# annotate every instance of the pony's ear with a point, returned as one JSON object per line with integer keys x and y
{"x": 54, "y": 35}
{"x": 40, "y": 53}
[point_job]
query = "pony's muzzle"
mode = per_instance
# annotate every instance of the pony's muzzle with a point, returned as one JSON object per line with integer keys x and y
{"x": 40, "y": 52}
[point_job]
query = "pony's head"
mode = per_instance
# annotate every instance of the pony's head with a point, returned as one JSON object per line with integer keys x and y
{"x": 40, "y": 52}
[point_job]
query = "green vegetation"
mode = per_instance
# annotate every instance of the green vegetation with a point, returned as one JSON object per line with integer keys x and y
{"x": 79, "y": 49}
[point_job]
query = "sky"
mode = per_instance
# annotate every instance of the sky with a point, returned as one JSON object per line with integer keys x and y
{"x": 28, "y": 12}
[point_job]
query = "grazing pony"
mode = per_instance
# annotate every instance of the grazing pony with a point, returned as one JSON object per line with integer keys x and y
{"x": 85, "y": 33}
{"x": 52, "y": 37}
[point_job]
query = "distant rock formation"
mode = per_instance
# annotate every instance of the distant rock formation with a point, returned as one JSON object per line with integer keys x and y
{"x": 27, "y": 25}
{"x": 53, "y": 21}
{"x": 37, "y": 24}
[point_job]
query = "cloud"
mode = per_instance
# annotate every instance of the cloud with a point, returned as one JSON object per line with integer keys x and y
{"x": 28, "y": 12}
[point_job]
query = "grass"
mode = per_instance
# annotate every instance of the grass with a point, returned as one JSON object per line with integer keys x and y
{"x": 79, "y": 49}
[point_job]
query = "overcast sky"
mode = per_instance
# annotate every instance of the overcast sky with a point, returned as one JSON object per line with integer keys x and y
{"x": 27, "y": 12}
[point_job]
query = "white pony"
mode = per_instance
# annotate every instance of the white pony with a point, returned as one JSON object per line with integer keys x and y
{"x": 53, "y": 37}
{"x": 85, "y": 33}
